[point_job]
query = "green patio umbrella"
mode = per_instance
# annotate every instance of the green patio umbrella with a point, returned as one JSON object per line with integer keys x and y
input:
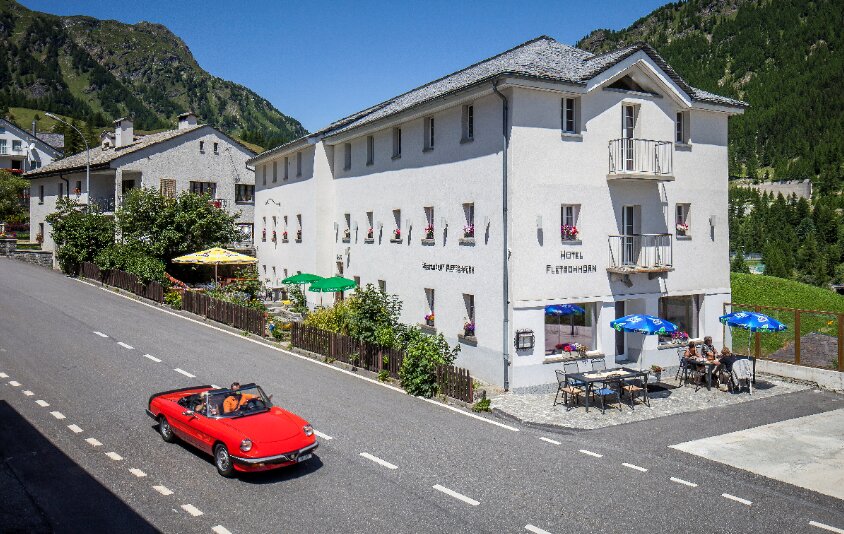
{"x": 301, "y": 279}
{"x": 334, "y": 284}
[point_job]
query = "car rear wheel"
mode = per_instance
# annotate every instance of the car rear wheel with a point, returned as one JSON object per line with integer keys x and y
{"x": 166, "y": 430}
{"x": 223, "y": 461}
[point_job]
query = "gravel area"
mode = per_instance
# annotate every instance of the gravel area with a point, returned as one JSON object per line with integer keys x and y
{"x": 666, "y": 399}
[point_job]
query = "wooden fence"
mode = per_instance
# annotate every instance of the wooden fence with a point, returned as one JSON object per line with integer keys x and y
{"x": 240, "y": 317}
{"x": 123, "y": 280}
{"x": 453, "y": 381}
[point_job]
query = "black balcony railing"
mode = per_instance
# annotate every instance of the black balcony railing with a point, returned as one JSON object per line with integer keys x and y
{"x": 641, "y": 157}
{"x": 105, "y": 204}
{"x": 640, "y": 253}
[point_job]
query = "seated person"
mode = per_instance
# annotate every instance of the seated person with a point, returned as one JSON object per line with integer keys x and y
{"x": 691, "y": 352}
{"x": 236, "y": 400}
{"x": 199, "y": 404}
{"x": 707, "y": 350}
{"x": 727, "y": 359}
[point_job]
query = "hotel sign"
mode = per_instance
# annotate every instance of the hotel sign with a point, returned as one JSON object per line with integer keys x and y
{"x": 449, "y": 268}
{"x": 578, "y": 268}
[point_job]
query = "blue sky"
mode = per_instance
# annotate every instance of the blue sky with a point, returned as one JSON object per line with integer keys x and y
{"x": 320, "y": 61}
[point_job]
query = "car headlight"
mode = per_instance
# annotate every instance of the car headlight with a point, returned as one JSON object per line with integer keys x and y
{"x": 246, "y": 445}
{"x": 309, "y": 430}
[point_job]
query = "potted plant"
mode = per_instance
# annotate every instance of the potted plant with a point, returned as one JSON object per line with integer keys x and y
{"x": 264, "y": 234}
{"x": 657, "y": 371}
{"x": 568, "y": 232}
{"x": 77, "y": 191}
{"x": 370, "y": 234}
{"x": 347, "y": 233}
{"x": 429, "y": 231}
{"x": 284, "y": 235}
{"x": 469, "y": 231}
{"x": 468, "y": 329}
{"x": 397, "y": 234}
{"x": 275, "y": 237}
{"x": 299, "y": 234}
{"x": 429, "y": 319}
{"x": 679, "y": 336}
{"x": 580, "y": 349}
{"x": 39, "y": 238}
{"x": 682, "y": 228}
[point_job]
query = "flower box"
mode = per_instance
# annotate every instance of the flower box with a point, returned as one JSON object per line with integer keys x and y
{"x": 568, "y": 232}
{"x": 469, "y": 231}
{"x": 682, "y": 229}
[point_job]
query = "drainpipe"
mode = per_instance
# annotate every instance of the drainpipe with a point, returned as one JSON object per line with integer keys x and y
{"x": 66, "y": 185}
{"x": 506, "y": 253}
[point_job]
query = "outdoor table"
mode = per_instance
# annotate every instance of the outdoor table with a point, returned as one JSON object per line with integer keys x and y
{"x": 588, "y": 378}
{"x": 710, "y": 365}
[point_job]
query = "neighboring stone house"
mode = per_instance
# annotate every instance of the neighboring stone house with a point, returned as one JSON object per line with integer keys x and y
{"x": 21, "y": 151}
{"x": 615, "y": 175}
{"x": 193, "y": 157}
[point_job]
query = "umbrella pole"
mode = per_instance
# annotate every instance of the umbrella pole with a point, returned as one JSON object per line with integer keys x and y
{"x": 215, "y": 275}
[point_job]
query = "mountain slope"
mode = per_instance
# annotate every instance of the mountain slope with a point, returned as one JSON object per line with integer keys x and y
{"x": 99, "y": 70}
{"x": 784, "y": 57}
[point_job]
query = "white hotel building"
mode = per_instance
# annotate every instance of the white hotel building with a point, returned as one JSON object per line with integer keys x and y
{"x": 617, "y": 145}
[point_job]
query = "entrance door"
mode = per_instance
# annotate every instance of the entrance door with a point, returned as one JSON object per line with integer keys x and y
{"x": 620, "y": 349}
{"x": 628, "y": 129}
{"x": 630, "y": 229}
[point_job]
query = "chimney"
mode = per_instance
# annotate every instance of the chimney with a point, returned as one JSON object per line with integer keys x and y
{"x": 123, "y": 132}
{"x": 34, "y": 128}
{"x": 187, "y": 120}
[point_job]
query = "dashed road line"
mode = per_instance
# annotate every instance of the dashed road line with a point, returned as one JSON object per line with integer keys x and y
{"x": 4, "y": 375}
{"x": 125, "y": 345}
{"x": 162, "y": 490}
{"x": 220, "y": 529}
{"x": 826, "y": 527}
{"x": 14, "y": 383}
{"x": 535, "y": 529}
{"x": 28, "y": 393}
{"x": 683, "y": 482}
{"x": 323, "y": 436}
{"x": 58, "y": 415}
{"x": 137, "y": 472}
{"x": 151, "y": 357}
{"x": 42, "y": 403}
{"x": 551, "y": 441}
{"x": 192, "y": 510}
{"x": 94, "y": 442}
{"x": 100, "y": 334}
{"x": 379, "y": 461}
{"x": 737, "y": 499}
{"x": 75, "y": 429}
{"x": 182, "y": 371}
{"x": 458, "y": 496}
{"x": 635, "y": 467}
{"x": 590, "y": 453}
{"x": 114, "y": 456}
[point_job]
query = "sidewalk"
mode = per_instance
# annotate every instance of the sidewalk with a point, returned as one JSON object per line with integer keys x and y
{"x": 667, "y": 398}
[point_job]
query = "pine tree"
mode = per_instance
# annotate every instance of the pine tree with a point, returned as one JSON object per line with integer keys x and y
{"x": 738, "y": 264}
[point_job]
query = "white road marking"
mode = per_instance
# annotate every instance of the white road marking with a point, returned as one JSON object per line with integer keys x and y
{"x": 137, "y": 472}
{"x": 14, "y": 383}
{"x": 75, "y": 429}
{"x": 153, "y": 358}
{"x": 28, "y": 393}
{"x": 162, "y": 490}
{"x": 58, "y": 415}
{"x": 535, "y": 529}
{"x": 192, "y": 510}
{"x": 305, "y": 358}
{"x": 378, "y": 460}
{"x": 737, "y": 499}
{"x": 684, "y": 482}
{"x": 220, "y": 529}
{"x": 4, "y": 375}
{"x": 100, "y": 334}
{"x": 458, "y": 496}
{"x": 636, "y": 467}
{"x": 125, "y": 346}
{"x": 94, "y": 442}
{"x": 187, "y": 374}
{"x": 551, "y": 441}
{"x": 590, "y": 453}
{"x": 42, "y": 403}
{"x": 114, "y": 456}
{"x": 826, "y": 527}
{"x": 321, "y": 435}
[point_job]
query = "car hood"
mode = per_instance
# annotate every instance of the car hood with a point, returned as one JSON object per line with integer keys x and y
{"x": 267, "y": 427}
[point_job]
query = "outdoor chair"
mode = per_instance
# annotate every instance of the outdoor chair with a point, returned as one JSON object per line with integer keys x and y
{"x": 743, "y": 372}
{"x": 598, "y": 364}
{"x": 633, "y": 388}
{"x": 571, "y": 368}
{"x": 566, "y": 389}
{"x": 686, "y": 369}
{"x": 605, "y": 391}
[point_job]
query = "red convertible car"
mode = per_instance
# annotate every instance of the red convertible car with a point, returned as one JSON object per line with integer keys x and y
{"x": 239, "y": 427}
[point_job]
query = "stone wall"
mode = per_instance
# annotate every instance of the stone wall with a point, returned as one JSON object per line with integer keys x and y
{"x": 8, "y": 248}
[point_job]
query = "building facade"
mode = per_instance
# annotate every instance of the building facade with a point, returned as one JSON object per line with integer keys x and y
{"x": 21, "y": 151}
{"x": 614, "y": 172}
{"x": 193, "y": 157}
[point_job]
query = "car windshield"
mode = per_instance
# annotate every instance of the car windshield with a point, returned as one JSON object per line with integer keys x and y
{"x": 246, "y": 400}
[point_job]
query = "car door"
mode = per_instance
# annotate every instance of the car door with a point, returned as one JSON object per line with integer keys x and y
{"x": 204, "y": 431}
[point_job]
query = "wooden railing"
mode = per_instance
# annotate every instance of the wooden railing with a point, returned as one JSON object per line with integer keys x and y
{"x": 240, "y": 317}
{"x": 455, "y": 382}
{"x": 123, "y": 280}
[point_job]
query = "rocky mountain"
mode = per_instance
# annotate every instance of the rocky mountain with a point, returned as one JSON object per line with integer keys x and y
{"x": 98, "y": 70}
{"x": 784, "y": 57}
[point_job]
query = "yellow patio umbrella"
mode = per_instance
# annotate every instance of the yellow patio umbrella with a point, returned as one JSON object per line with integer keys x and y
{"x": 216, "y": 256}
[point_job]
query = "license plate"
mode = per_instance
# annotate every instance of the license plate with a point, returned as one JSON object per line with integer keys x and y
{"x": 305, "y": 457}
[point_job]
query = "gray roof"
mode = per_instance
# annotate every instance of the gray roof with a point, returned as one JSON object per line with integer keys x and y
{"x": 55, "y": 140}
{"x": 542, "y": 58}
{"x": 24, "y": 134}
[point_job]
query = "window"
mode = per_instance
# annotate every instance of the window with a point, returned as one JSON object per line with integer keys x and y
{"x": 396, "y": 143}
{"x": 16, "y": 146}
{"x": 216, "y": 148}
{"x": 347, "y": 156}
{"x": 681, "y": 134}
{"x": 61, "y": 189}
{"x": 468, "y": 123}
{"x": 78, "y": 189}
{"x": 397, "y": 235}
{"x": 370, "y": 149}
{"x": 41, "y": 195}
{"x": 264, "y": 174}
{"x": 382, "y": 286}
{"x": 244, "y": 193}
{"x": 469, "y": 323}
{"x": 275, "y": 171}
{"x": 357, "y": 280}
{"x": 575, "y": 327}
{"x": 569, "y": 115}
{"x": 298, "y": 164}
{"x": 429, "y": 134}
{"x": 429, "y": 297}
{"x": 286, "y": 167}
{"x": 682, "y": 219}
{"x": 264, "y": 230}
{"x": 569, "y": 214}
{"x": 202, "y": 147}
{"x": 41, "y": 230}
{"x": 469, "y": 214}
{"x": 203, "y": 188}
{"x": 167, "y": 187}
{"x": 347, "y": 230}
{"x": 429, "y": 222}
{"x": 682, "y": 311}
{"x": 299, "y": 227}
{"x": 370, "y": 232}
{"x": 3, "y": 148}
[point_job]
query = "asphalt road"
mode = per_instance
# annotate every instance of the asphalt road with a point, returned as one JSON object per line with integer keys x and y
{"x": 95, "y": 357}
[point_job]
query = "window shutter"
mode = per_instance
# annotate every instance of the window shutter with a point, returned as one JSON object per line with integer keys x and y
{"x": 168, "y": 187}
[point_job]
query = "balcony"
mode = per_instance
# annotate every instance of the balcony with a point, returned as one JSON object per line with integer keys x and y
{"x": 640, "y": 253}
{"x": 221, "y": 203}
{"x": 641, "y": 159}
{"x": 104, "y": 204}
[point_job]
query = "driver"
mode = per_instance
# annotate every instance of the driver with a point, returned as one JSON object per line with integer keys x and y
{"x": 236, "y": 400}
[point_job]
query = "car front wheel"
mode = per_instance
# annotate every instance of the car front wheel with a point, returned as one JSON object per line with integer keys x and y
{"x": 166, "y": 430}
{"x": 223, "y": 461}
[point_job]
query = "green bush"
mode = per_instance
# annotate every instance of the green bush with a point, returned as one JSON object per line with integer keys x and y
{"x": 300, "y": 305}
{"x": 132, "y": 260}
{"x": 374, "y": 317}
{"x": 334, "y": 319}
{"x": 173, "y": 299}
{"x": 481, "y": 406}
{"x": 423, "y": 354}
{"x": 79, "y": 235}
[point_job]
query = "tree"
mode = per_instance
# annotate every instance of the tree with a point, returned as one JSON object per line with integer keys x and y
{"x": 738, "y": 264}
{"x": 423, "y": 354}
{"x": 775, "y": 263}
{"x": 12, "y": 188}
{"x": 374, "y": 316}
{"x": 79, "y": 235}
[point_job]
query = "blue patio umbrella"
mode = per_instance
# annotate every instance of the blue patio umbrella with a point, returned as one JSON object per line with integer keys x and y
{"x": 752, "y": 322}
{"x": 564, "y": 309}
{"x": 644, "y": 324}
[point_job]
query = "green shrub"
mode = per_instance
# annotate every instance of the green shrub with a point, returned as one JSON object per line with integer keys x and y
{"x": 173, "y": 299}
{"x": 481, "y": 406}
{"x": 299, "y": 303}
{"x": 383, "y": 375}
{"x": 132, "y": 260}
{"x": 374, "y": 317}
{"x": 79, "y": 235}
{"x": 334, "y": 319}
{"x": 423, "y": 354}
